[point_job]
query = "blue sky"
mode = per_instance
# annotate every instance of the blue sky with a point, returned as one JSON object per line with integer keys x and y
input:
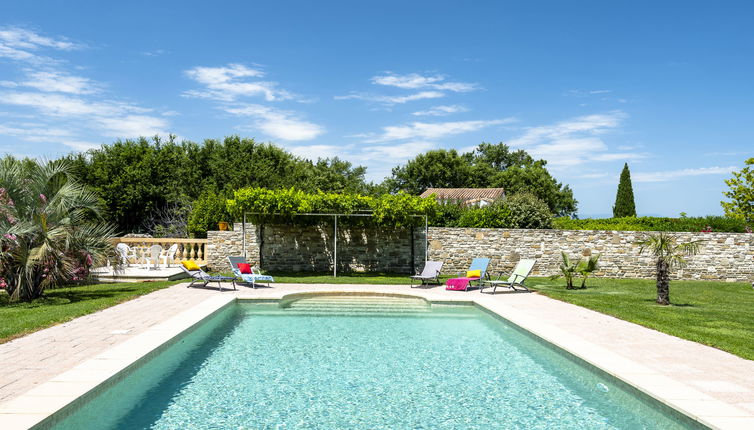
{"x": 587, "y": 85}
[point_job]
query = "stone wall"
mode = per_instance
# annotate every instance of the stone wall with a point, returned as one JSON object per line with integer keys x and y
{"x": 723, "y": 256}
{"x": 222, "y": 244}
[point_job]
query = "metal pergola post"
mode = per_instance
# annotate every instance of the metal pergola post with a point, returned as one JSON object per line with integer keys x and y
{"x": 335, "y": 249}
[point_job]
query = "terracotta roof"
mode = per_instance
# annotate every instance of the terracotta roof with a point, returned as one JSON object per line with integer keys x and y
{"x": 465, "y": 193}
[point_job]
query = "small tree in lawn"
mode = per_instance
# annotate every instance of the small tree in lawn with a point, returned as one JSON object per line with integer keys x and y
{"x": 568, "y": 270}
{"x": 741, "y": 194}
{"x": 624, "y": 199}
{"x": 669, "y": 255}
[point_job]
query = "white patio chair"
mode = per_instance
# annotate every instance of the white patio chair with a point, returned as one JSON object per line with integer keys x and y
{"x": 125, "y": 253}
{"x": 153, "y": 257}
{"x": 169, "y": 255}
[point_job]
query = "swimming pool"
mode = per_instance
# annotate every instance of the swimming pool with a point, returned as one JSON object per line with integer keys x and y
{"x": 365, "y": 362}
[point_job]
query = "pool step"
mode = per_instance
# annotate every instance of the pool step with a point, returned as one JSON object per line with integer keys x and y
{"x": 358, "y": 305}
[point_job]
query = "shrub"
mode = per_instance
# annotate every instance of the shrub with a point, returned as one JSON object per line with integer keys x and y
{"x": 718, "y": 223}
{"x": 207, "y": 211}
{"x": 51, "y": 231}
{"x": 494, "y": 216}
{"x": 528, "y": 211}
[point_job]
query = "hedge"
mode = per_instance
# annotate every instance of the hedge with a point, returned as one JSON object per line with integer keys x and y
{"x": 717, "y": 223}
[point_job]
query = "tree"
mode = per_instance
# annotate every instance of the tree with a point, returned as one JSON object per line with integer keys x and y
{"x": 486, "y": 166}
{"x": 624, "y": 199}
{"x": 669, "y": 255}
{"x": 138, "y": 179}
{"x": 741, "y": 194}
{"x": 51, "y": 231}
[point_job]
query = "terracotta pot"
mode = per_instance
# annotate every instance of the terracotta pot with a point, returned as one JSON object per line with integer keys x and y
{"x": 223, "y": 225}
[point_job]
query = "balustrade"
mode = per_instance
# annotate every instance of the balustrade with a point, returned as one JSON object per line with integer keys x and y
{"x": 188, "y": 249}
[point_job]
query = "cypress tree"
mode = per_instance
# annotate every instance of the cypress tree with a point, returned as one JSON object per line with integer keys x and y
{"x": 624, "y": 200}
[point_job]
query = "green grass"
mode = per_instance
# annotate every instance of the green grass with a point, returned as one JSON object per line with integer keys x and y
{"x": 718, "y": 314}
{"x": 64, "y": 304}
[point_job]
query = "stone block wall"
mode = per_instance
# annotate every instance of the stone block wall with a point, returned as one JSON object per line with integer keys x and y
{"x": 723, "y": 256}
{"x": 222, "y": 244}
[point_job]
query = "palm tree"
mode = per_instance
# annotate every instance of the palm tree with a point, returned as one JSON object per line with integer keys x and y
{"x": 51, "y": 231}
{"x": 669, "y": 254}
{"x": 586, "y": 268}
{"x": 568, "y": 270}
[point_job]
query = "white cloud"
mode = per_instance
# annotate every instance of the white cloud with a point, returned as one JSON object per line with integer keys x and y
{"x": 390, "y": 100}
{"x": 34, "y": 132}
{"x": 426, "y": 131}
{"x": 575, "y": 141}
{"x": 398, "y": 152}
{"x": 56, "y": 81}
{"x": 133, "y": 125}
{"x": 20, "y": 44}
{"x": 670, "y": 175}
{"x": 230, "y": 82}
{"x": 278, "y": 123}
{"x": 314, "y": 152}
{"x": 416, "y": 81}
{"x": 80, "y": 145}
{"x": 442, "y": 110}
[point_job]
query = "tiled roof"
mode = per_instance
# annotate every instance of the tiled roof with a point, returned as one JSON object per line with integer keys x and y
{"x": 465, "y": 193}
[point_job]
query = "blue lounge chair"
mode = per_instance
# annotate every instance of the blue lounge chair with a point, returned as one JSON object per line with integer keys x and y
{"x": 253, "y": 278}
{"x": 463, "y": 283}
{"x": 205, "y": 278}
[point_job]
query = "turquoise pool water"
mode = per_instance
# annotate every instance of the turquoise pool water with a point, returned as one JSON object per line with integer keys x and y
{"x": 340, "y": 365}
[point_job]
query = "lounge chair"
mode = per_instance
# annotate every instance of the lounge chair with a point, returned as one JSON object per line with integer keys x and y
{"x": 464, "y": 282}
{"x": 205, "y": 278}
{"x": 517, "y": 278}
{"x": 431, "y": 272}
{"x": 252, "y": 277}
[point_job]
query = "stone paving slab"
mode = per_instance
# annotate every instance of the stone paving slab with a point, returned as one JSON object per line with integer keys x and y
{"x": 709, "y": 384}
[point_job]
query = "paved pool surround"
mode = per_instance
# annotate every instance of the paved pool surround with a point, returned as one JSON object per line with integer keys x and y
{"x": 711, "y": 386}
{"x": 722, "y": 257}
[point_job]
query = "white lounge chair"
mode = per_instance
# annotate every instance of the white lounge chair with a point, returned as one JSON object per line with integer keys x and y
{"x": 431, "y": 272}
{"x": 516, "y": 279}
{"x": 252, "y": 277}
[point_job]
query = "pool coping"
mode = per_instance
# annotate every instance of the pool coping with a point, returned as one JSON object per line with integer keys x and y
{"x": 37, "y": 406}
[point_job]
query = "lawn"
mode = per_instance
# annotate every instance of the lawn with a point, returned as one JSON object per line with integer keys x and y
{"x": 64, "y": 304}
{"x": 718, "y": 314}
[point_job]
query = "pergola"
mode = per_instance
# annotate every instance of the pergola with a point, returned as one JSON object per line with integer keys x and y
{"x": 335, "y": 217}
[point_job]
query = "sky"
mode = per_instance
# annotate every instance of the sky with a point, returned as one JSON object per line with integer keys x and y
{"x": 665, "y": 86}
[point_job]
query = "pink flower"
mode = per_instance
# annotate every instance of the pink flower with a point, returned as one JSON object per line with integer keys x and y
{"x": 10, "y": 236}
{"x": 3, "y": 284}
{"x": 43, "y": 198}
{"x": 89, "y": 260}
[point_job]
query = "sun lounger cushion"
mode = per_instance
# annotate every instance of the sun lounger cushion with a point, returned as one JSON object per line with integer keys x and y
{"x": 190, "y": 265}
{"x": 474, "y": 274}
{"x": 457, "y": 284}
{"x": 244, "y": 268}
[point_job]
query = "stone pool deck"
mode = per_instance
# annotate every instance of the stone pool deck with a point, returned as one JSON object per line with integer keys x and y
{"x": 45, "y": 370}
